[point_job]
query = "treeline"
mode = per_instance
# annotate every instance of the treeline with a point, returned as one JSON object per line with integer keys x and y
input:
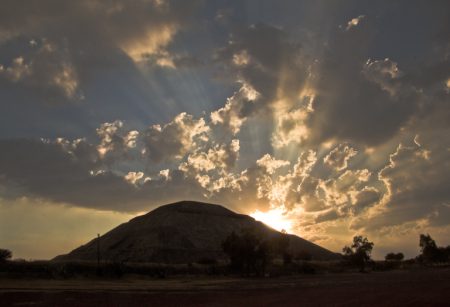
{"x": 249, "y": 253}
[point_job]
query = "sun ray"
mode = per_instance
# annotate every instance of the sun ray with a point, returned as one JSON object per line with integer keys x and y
{"x": 275, "y": 218}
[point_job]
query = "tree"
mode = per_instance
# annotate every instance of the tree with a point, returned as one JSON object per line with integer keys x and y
{"x": 430, "y": 252}
{"x": 5, "y": 254}
{"x": 394, "y": 257}
{"x": 359, "y": 252}
{"x": 280, "y": 246}
{"x": 249, "y": 252}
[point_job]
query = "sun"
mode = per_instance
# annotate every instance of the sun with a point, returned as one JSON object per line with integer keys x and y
{"x": 274, "y": 218}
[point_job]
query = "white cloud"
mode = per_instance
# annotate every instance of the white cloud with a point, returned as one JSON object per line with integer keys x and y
{"x": 175, "y": 139}
{"x": 291, "y": 128}
{"x": 354, "y": 22}
{"x": 134, "y": 178}
{"x": 115, "y": 140}
{"x": 18, "y": 70}
{"x": 232, "y": 116}
{"x": 218, "y": 157}
{"x": 338, "y": 157}
{"x": 271, "y": 164}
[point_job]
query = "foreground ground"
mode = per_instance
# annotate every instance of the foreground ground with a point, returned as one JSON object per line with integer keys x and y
{"x": 424, "y": 287}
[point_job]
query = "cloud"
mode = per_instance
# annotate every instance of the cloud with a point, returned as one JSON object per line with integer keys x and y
{"x": 329, "y": 215}
{"x": 17, "y": 71}
{"x": 414, "y": 196}
{"x": 354, "y": 22}
{"x": 312, "y": 124}
{"x": 115, "y": 175}
{"x": 115, "y": 141}
{"x": 291, "y": 128}
{"x": 70, "y": 40}
{"x": 350, "y": 105}
{"x": 233, "y": 115}
{"x": 135, "y": 178}
{"x": 339, "y": 156}
{"x": 271, "y": 164}
{"x": 47, "y": 68}
{"x": 267, "y": 61}
{"x": 175, "y": 139}
{"x": 222, "y": 156}
{"x": 367, "y": 197}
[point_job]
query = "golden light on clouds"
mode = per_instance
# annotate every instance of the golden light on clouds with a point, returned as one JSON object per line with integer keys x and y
{"x": 152, "y": 43}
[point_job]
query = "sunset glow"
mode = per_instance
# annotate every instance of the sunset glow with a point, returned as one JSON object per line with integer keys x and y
{"x": 322, "y": 119}
{"x": 274, "y": 218}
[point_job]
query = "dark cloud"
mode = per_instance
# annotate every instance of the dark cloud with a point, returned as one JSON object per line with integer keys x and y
{"x": 72, "y": 174}
{"x": 422, "y": 193}
{"x": 68, "y": 40}
{"x": 330, "y": 215}
{"x": 366, "y": 198}
{"x": 353, "y": 100}
{"x": 266, "y": 60}
{"x": 318, "y": 101}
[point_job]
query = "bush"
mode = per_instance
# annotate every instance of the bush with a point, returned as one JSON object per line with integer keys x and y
{"x": 207, "y": 261}
{"x": 394, "y": 257}
{"x": 5, "y": 254}
{"x": 249, "y": 252}
{"x": 386, "y": 265}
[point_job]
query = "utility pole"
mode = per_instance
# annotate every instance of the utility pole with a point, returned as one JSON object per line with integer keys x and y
{"x": 98, "y": 254}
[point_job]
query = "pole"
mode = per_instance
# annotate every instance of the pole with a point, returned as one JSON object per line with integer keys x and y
{"x": 98, "y": 254}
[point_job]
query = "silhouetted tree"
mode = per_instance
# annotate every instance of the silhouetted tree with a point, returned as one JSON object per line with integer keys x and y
{"x": 5, "y": 254}
{"x": 394, "y": 257}
{"x": 359, "y": 252}
{"x": 249, "y": 252}
{"x": 430, "y": 252}
{"x": 280, "y": 246}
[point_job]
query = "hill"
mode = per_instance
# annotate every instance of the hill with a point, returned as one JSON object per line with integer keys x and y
{"x": 181, "y": 232}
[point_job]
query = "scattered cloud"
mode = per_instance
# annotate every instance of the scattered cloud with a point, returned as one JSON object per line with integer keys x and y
{"x": 175, "y": 139}
{"x": 354, "y": 22}
{"x": 342, "y": 127}
{"x": 338, "y": 157}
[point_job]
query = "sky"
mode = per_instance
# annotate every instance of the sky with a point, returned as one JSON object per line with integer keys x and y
{"x": 328, "y": 119}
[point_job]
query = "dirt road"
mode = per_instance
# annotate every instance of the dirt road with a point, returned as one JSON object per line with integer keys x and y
{"x": 398, "y": 288}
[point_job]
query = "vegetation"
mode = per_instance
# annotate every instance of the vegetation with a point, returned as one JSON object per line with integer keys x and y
{"x": 281, "y": 247}
{"x": 5, "y": 254}
{"x": 394, "y": 257}
{"x": 359, "y": 252}
{"x": 249, "y": 252}
{"x": 430, "y": 252}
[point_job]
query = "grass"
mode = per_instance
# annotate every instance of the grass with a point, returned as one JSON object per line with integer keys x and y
{"x": 111, "y": 270}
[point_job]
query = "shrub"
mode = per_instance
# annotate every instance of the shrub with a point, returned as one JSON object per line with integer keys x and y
{"x": 5, "y": 254}
{"x": 394, "y": 257}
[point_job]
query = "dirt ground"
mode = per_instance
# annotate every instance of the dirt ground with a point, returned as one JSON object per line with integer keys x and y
{"x": 427, "y": 287}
